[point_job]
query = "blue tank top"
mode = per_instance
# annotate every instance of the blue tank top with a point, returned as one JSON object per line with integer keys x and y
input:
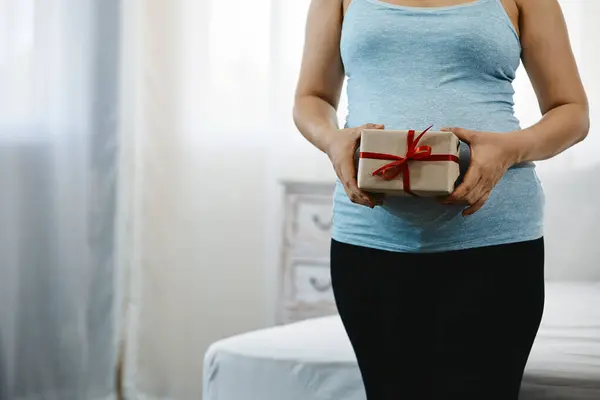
{"x": 409, "y": 67}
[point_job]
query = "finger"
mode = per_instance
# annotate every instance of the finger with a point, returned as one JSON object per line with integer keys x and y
{"x": 357, "y": 132}
{"x": 354, "y": 198}
{"x": 348, "y": 178}
{"x": 372, "y": 126}
{"x": 477, "y": 192}
{"x": 359, "y": 197}
{"x": 477, "y": 205}
{"x": 472, "y": 178}
{"x": 465, "y": 135}
{"x": 368, "y": 199}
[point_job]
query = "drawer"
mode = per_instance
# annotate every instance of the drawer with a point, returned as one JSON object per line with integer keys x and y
{"x": 311, "y": 282}
{"x": 310, "y": 224}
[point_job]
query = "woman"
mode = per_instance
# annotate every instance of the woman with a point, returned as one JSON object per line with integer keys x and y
{"x": 441, "y": 300}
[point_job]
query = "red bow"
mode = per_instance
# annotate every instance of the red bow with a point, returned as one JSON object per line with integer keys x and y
{"x": 399, "y": 165}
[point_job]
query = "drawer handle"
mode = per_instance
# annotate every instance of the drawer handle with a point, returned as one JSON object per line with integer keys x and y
{"x": 320, "y": 287}
{"x": 324, "y": 226}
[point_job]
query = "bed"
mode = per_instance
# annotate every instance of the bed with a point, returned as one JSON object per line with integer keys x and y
{"x": 313, "y": 359}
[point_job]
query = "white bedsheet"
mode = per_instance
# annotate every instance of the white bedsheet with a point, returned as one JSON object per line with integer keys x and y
{"x": 565, "y": 359}
{"x": 313, "y": 360}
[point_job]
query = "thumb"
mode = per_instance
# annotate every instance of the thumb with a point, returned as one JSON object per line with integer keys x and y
{"x": 463, "y": 134}
{"x": 372, "y": 126}
{"x": 358, "y": 131}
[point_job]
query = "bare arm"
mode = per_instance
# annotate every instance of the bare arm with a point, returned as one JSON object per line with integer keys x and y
{"x": 550, "y": 64}
{"x": 318, "y": 94}
{"x": 549, "y": 61}
{"x": 321, "y": 73}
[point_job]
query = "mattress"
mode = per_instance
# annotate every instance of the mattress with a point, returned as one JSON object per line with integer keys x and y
{"x": 313, "y": 359}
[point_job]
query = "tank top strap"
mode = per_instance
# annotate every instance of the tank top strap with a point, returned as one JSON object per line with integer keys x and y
{"x": 502, "y": 13}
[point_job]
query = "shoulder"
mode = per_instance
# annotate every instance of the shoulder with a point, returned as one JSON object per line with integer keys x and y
{"x": 539, "y": 16}
{"x": 325, "y": 12}
{"x": 344, "y": 4}
{"x": 537, "y": 5}
{"x": 330, "y": 5}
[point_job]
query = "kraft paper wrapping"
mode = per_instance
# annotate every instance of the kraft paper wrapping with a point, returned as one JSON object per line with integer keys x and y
{"x": 427, "y": 178}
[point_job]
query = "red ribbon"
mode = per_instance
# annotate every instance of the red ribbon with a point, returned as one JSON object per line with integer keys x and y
{"x": 399, "y": 165}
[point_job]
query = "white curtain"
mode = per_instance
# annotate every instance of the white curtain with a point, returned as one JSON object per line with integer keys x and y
{"x": 58, "y": 158}
{"x": 212, "y": 90}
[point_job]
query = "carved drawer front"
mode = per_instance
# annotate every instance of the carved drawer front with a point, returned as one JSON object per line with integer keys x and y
{"x": 311, "y": 282}
{"x": 311, "y": 226}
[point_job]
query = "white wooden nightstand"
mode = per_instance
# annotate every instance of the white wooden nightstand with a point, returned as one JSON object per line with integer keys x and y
{"x": 304, "y": 283}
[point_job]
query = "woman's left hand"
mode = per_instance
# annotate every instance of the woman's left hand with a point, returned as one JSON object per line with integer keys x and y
{"x": 491, "y": 155}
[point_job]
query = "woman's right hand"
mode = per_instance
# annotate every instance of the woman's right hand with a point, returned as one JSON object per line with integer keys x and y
{"x": 341, "y": 149}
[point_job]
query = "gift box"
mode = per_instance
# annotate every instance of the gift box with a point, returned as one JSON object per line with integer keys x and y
{"x": 408, "y": 163}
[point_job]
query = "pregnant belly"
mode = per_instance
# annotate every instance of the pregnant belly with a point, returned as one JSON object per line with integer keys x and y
{"x": 516, "y": 197}
{"x": 518, "y": 192}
